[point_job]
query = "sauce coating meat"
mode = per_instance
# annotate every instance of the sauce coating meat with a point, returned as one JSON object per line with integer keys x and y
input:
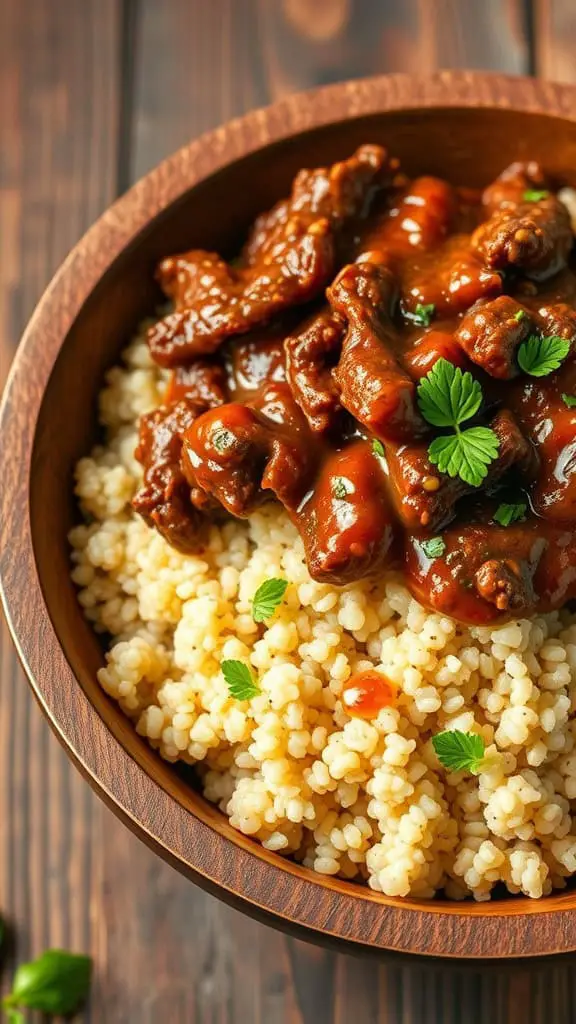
{"x": 297, "y": 375}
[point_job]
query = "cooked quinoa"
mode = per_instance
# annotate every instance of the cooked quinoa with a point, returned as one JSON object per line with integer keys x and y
{"x": 365, "y": 800}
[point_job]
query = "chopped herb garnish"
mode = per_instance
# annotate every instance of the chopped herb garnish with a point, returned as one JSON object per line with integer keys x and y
{"x": 434, "y": 547}
{"x": 534, "y": 195}
{"x": 459, "y": 751}
{"x": 507, "y": 514}
{"x": 222, "y": 439}
{"x": 569, "y": 401}
{"x": 56, "y": 983}
{"x": 541, "y": 356}
{"x": 378, "y": 448}
{"x": 520, "y": 315}
{"x": 241, "y": 683}
{"x": 340, "y": 487}
{"x": 267, "y": 598}
{"x": 447, "y": 397}
{"x": 423, "y": 314}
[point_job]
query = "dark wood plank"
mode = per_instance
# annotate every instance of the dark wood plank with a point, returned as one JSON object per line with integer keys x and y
{"x": 555, "y": 39}
{"x": 58, "y": 130}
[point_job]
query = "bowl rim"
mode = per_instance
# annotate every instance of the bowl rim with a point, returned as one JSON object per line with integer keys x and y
{"x": 237, "y": 870}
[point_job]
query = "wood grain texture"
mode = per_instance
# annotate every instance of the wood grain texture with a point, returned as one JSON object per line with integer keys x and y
{"x": 148, "y": 928}
{"x": 554, "y": 35}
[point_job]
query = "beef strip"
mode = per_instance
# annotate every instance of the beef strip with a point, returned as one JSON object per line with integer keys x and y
{"x": 203, "y": 380}
{"x": 165, "y": 499}
{"x": 240, "y": 453}
{"x": 290, "y": 257}
{"x": 311, "y": 354}
{"x": 491, "y": 332}
{"x": 534, "y": 237}
{"x": 373, "y": 386}
{"x": 424, "y": 498}
{"x": 347, "y": 523}
{"x": 509, "y": 187}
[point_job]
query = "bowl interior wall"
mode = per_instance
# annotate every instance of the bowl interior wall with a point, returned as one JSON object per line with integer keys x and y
{"x": 468, "y": 148}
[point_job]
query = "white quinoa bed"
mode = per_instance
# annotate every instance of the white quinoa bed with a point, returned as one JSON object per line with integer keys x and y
{"x": 365, "y": 800}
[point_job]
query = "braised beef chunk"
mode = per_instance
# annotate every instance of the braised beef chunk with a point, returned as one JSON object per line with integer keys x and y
{"x": 204, "y": 381}
{"x": 164, "y": 500}
{"x": 491, "y": 332}
{"x": 240, "y": 453}
{"x": 534, "y": 237}
{"x": 291, "y": 256}
{"x": 311, "y": 354}
{"x": 510, "y": 187}
{"x": 373, "y": 386}
{"x": 424, "y": 498}
{"x": 296, "y": 376}
{"x": 347, "y": 523}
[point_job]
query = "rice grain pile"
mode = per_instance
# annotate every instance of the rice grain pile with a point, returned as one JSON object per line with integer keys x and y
{"x": 366, "y": 800}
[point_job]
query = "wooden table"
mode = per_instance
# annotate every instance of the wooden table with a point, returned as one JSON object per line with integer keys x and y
{"x": 92, "y": 94}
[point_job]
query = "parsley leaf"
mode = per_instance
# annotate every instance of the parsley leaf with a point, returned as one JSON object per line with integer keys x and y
{"x": 569, "y": 401}
{"x": 340, "y": 487}
{"x": 534, "y": 195}
{"x": 222, "y": 439}
{"x": 240, "y": 679}
{"x": 434, "y": 547}
{"x": 459, "y": 751}
{"x": 423, "y": 314}
{"x": 466, "y": 454}
{"x": 541, "y": 356}
{"x": 267, "y": 598}
{"x": 447, "y": 396}
{"x": 506, "y": 514}
{"x": 56, "y": 983}
{"x": 378, "y": 448}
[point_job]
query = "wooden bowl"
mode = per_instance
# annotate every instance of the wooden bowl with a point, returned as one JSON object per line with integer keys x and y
{"x": 464, "y": 126}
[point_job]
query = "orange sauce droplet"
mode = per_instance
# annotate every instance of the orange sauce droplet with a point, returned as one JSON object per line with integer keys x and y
{"x": 366, "y": 693}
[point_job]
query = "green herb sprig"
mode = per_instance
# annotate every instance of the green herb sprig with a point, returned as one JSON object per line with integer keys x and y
{"x": 423, "y": 314}
{"x": 378, "y": 448}
{"x": 539, "y": 357}
{"x": 447, "y": 398}
{"x": 241, "y": 682}
{"x": 569, "y": 401}
{"x": 434, "y": 547}
{"x": 506, "y": 514}
{"x": 267, "y": 598}
{"x": 56, "y": 983}
{"x": 534, "y": 195}
{"x": 461, "y": 751}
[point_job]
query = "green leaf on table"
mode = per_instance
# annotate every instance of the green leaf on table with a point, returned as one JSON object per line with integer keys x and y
{"x": 56, "y": 983}
{"x": 267, "y": 598}
{"x": 241, "y": 682}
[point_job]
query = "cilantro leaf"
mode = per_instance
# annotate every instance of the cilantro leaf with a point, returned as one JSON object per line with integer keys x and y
{"x": 569, "y": 401}
{"x": 423, "y": 314}
{"x": 340, "y": 488}
{"x": 56, "y": 983}
{"x": 506, "y": 514}
{"x": 446, "y": 396}
{"x": 534, "y": 195}
{"x": 378, "y": 448}
{"x": 541, "y": 356}
{"x": 434, "y": 547}
{"x": 459, "y": 751}
{"x": 241, "y": 683}
{"x": 466, "y": 454}
{"x": 267, "y": 598}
